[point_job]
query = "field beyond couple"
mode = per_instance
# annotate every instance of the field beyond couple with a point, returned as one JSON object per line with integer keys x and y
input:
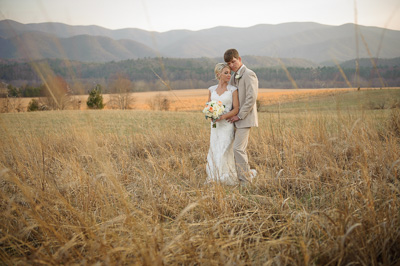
{"x": 127, "y": 187}
{"x": 194, "y": 99}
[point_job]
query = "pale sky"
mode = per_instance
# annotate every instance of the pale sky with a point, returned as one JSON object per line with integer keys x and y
{"x": 165, "y": 15}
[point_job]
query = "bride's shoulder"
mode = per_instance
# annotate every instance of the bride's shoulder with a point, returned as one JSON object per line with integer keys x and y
{"x": 213, "y": 88}
{"x": 231, "y": 88}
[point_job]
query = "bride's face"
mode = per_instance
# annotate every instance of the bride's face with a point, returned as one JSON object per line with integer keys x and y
{"x": 225, "y": 75}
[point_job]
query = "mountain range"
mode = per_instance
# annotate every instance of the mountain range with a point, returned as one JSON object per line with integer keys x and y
{"x": 321, "y": 44}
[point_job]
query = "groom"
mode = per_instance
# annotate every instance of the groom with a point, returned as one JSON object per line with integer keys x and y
{"x": 247, "y": 83}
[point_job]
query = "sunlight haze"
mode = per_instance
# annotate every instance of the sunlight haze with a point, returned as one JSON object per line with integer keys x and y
{"x": 156, "y": 15}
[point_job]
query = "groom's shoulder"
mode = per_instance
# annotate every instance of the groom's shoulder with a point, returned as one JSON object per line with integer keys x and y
{"x": 250, "y": 72}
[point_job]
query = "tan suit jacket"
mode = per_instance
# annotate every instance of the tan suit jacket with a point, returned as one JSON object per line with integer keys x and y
{"x": 247, "y": 84}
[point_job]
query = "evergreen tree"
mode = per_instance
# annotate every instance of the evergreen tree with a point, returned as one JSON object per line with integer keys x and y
{"x": 13, "y": 91}
{"x": 95, "y": 99}
{"x": 33, "y": 105}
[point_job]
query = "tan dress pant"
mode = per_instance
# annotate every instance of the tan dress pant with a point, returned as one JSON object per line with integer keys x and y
{"x": 240, "y": 153}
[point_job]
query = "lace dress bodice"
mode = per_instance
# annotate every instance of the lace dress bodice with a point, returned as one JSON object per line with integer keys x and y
{"x": 225, "y": 97}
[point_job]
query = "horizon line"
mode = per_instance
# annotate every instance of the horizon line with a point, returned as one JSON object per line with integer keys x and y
{"x": 219, "y": 26}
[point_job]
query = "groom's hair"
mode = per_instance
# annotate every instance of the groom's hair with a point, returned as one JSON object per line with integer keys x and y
{"x": 230, "y": 54}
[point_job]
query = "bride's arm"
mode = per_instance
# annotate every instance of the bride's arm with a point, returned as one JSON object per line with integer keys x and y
{"x": 235, "y": 107}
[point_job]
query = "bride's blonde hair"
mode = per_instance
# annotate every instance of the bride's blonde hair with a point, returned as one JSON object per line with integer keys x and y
{"x": 218, "y": 69}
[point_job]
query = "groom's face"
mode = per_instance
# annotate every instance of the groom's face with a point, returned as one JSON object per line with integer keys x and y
{"x": 235, "y": 64}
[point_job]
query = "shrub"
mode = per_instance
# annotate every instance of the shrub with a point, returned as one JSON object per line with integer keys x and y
{"x": 159, "y": 102}
{"x": 164, "y": 104}
{"x": 33, "y": 105}
{"x": 95, "y": 100}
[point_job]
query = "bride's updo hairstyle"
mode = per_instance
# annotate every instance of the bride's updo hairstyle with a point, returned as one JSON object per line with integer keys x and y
{"x": 218, "y": 69}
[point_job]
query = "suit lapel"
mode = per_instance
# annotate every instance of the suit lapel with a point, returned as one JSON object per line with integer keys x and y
{"x": 240, "y": 73}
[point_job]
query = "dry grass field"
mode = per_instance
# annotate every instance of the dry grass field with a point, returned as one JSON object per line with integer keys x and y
{"x": 194, "y": 99}
{"x": 116, "y": 187}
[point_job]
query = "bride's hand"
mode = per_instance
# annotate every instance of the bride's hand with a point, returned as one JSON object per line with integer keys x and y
{"x": 222, "y": 117}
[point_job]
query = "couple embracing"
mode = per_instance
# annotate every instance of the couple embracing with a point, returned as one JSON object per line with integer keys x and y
{"x": 227, "y": 160}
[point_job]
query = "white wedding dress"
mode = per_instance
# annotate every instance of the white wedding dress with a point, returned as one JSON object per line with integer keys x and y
{"x": 220, "y": 159}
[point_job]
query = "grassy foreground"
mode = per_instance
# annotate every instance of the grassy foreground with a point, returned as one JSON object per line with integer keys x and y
{"x": 127, "y": 187}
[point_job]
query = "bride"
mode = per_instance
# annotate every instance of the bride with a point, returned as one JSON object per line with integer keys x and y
{"x": 220, "y": 159}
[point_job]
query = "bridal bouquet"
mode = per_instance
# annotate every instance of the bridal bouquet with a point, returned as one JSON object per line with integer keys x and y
{"x": 214, "y": 110}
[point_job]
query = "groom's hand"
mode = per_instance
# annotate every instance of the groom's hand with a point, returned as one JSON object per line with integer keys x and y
{"x": 233, "y": 119}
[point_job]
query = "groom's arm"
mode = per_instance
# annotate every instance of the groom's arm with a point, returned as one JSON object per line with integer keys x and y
{"x": 251, "y": 87}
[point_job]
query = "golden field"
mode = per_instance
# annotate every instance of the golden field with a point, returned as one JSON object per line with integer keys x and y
{"x": 113, "y": 187}
{"x": 195, "y": 99}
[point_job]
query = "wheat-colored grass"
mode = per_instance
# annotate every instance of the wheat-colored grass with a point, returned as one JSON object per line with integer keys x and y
{"x": 127, "y": 187}
{"x": 194, "y": 99}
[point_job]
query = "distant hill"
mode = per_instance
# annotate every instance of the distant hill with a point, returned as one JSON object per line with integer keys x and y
{"x": 85, "y": 48}
{"x": 366, "y": 62}
{"x": 303, "y": 40}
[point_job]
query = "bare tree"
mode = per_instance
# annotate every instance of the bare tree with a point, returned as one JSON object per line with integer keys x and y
{"x": 57, "y": 94}
{"x": 159, "y": 102}
{"x": 10, "y": 99}
{"x": 121, "y": 97}
{"x": 11, "y": 104}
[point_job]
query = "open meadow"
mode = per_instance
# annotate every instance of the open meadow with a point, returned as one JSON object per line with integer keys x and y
{"x": 113, "y": 187}
{"x": 180, "y": 100}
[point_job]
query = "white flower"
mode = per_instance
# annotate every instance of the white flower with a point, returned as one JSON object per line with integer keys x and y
{"x": 238, "y": 76}
{"x": 213, "y": 110}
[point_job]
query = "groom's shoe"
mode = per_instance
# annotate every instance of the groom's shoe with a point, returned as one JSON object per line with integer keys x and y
{"x": 253, "y": 173}
{"x": 249, "y": 177}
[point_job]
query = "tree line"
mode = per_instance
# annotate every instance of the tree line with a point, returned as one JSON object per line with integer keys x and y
{"x": 152, "y": 74}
